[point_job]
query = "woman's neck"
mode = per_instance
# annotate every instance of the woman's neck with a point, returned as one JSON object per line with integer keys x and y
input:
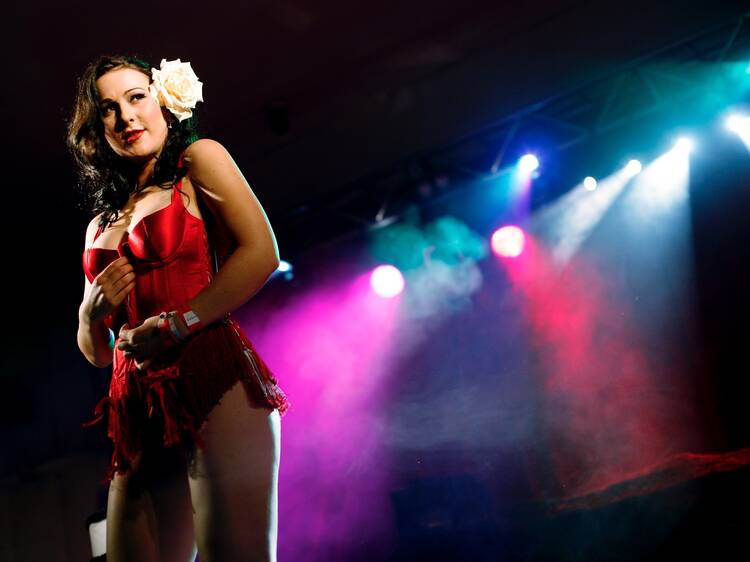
{"x": 145, "y": 175}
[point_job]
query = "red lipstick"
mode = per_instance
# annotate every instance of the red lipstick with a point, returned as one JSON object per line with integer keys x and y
{"x": 133, "y": 136}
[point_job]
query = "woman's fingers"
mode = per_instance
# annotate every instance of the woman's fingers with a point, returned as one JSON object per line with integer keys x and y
{"x": 120, "y": 274}
{"x": 142, "y": 365}
{"x": 109, "y": 289}
{"x": 116, "y": 281}
{"x": 141, "y": 342}
{"x": 123, "y": 286}
{"x": 117, "y": 268}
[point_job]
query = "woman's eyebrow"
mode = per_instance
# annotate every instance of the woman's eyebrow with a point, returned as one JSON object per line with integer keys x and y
{"x": 126, "y": 91}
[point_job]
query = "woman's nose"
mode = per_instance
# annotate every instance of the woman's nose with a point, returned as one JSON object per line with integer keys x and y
{"x": 126, "y": 115}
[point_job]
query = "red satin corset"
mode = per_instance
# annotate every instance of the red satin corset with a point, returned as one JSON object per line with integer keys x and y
{"x": 170, "y": 255}
{"x": 168, "y": 250}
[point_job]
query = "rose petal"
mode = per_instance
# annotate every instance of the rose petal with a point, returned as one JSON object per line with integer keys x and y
{"x": 177, "y": 86}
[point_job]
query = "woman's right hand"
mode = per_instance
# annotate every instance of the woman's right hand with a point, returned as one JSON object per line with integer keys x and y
{"x": 108, "y": 290}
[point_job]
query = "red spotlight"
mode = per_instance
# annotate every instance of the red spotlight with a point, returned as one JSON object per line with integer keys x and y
{"x": 508, "y": 241}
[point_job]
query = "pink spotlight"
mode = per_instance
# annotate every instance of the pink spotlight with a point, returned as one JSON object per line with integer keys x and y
{"x": 387, "y": 281}
{"x": 508, "y": 241}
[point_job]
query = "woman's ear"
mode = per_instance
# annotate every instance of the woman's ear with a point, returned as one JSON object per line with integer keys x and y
{"x": 168, "y": 117}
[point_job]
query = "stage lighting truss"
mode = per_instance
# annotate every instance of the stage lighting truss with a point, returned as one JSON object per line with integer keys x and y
{"x": 641, "y": 87}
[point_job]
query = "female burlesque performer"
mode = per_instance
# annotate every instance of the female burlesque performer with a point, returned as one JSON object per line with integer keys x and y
{"x": 178, "y": 241}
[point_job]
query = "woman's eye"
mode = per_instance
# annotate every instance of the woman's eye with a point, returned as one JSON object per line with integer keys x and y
{"x": 106, "y": 109}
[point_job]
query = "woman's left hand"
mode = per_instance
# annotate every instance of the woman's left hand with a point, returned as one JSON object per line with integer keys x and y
{"x": 142, "y": 343}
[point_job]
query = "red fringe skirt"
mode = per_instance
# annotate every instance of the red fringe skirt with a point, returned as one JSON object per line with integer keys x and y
{"x": 173, "y": 398}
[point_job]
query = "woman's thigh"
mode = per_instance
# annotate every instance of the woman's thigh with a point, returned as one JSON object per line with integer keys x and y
{"x": 234, "y": 481}
{"x": 149, "y": 512}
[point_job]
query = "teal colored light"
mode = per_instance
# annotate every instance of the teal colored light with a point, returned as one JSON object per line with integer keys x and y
{"x": 402, "y": 244}
{"x": 409, "y": 244}
{"x": 453, "y": 241}
{"x": 722, "y": 84}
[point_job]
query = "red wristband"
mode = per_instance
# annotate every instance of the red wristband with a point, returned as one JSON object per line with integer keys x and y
{"x": 168, "y": 337}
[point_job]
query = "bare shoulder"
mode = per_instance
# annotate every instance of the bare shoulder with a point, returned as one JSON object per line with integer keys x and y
{"x": 203, "y": 148}
{"x": 214, "y": 174}
{"x": 204, "y": 153}
{"x": 210, "y": 164}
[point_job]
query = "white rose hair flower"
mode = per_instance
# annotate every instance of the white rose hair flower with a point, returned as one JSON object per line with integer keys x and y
{"x": 176, "y": 87}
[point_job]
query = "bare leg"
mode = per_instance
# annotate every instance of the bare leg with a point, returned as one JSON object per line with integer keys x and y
{"x": 234, "y": 482}
{"x": 131, "y": 523}
{"x": 170, "y": 493}
{"x": 149, "y": 514}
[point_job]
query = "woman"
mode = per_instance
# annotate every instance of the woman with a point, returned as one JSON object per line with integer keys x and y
{"x": 178, "y": 241}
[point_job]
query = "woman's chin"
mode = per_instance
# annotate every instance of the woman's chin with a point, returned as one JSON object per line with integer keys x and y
{"x": 138, "y": 154}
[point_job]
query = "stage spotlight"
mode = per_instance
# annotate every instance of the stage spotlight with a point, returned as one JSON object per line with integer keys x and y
{"x": 528, "y": 163}
{"x": 508, "y": 241}
{"x": 740, "y": 125}
{"x": 387, "y": 281}
{"x": 284, "y": 270}
{"x": 589, "y": 183}
{"x": 633, "y": 167}
{"x": 737, "y": 123}
{"x": 684, "y": 144}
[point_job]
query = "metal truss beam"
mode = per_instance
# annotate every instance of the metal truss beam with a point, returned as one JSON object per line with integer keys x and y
{"x": 639, "y": 88}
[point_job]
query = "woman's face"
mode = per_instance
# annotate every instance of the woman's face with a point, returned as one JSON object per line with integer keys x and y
{"x": 134, "y": 124}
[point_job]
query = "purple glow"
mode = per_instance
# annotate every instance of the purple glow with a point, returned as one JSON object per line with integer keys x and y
{"x": 387, "y": 281}
{"x": 330, "y": 347}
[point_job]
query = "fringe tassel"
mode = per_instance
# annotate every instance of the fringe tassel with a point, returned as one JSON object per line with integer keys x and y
{"x": 180, "y": 395}
{"x": 260, "y": 373}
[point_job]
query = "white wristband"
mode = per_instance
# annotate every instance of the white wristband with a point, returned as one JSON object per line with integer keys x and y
{"x": 173, "y": 326}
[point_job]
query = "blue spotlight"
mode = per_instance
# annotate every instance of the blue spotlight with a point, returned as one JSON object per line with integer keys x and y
{"x": 285, "y": 270}
{"x": 528, "y": 163}
{"x": 589, "y": 183}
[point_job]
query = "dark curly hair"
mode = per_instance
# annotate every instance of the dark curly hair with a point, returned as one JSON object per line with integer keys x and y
{"x": 105, "y": 180}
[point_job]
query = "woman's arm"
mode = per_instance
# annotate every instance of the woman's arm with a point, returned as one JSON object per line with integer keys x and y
{"x": 222, "y": 186}
{"x": 94, "y": 340}
{"x": 100, "y": 297}
{"x": 213, "y": 172}
{"x": 93, "y": 337}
